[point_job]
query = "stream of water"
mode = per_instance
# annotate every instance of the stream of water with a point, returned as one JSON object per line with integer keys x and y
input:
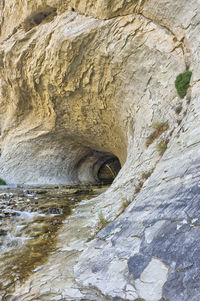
{"x": 29, "y": 222}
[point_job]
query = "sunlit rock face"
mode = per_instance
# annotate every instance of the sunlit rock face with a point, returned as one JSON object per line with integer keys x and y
{"x": 82, "y": 85}
{"x": 74, "y": 84}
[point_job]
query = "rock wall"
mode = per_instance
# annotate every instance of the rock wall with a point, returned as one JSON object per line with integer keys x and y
{"x": 92, "y": 77}
{"x": 71, "y": 91}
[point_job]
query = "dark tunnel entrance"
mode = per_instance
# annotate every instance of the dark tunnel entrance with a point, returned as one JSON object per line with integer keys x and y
{"x": 109, "y": 170}
{"x": 98, "y": 167}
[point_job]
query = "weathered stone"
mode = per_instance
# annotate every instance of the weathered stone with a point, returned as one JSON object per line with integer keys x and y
{"x": 137, "y": 264}
{"x": 60, "y": 126}
{"x": 150, "y": 284}
{"x": 84, "y": 81}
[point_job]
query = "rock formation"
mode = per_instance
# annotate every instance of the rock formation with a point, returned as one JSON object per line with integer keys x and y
{"x": 85, "y": 82}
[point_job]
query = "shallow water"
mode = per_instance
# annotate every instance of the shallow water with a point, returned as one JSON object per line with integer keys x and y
{"x": 29, "y": 222}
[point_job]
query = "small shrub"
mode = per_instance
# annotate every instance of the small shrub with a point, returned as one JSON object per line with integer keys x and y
{"x": 159, "y": 128}
{"x": 182, "y": 83}
{"x": 2, "y": 182}
{"x": 162, "y": 146}
{"x": 178, "y": 109}
{"x": 103, "y": 222}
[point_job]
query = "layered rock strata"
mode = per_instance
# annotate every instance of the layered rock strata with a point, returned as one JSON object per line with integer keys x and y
{"x": 72, "y": 91}
{"x": 83, "y": 82}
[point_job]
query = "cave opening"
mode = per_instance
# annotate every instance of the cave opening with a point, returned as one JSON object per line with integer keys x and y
{"x": 98, "y": 168}
{"x": 109, "y": 170}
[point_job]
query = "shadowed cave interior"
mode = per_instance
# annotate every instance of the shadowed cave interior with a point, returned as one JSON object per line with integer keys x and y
{"x": 98, "y": 167}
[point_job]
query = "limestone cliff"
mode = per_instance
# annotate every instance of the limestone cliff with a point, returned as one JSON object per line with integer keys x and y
{"x": 85, "y": 81}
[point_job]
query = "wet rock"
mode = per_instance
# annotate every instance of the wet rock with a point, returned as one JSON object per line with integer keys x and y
{"x": 2, "y": 232}
{"x": 28, "y": 235}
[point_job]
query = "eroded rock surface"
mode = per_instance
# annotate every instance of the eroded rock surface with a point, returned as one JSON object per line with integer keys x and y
{"x": 72, "y": 91}
{"x": 83, "y": 82}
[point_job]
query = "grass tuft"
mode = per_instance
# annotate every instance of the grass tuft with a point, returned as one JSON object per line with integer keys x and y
{"x": 146, "y": 175}
{"x": 139, "y": 187}
{"x": 102, "y": 221}
{"x": 162, "y": 146}
{"x": 124, "y": 206}
{"x": 159, "y": 128}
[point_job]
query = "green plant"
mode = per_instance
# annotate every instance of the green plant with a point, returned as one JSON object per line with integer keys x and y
{"x": 162, "y": 146}
{"x": 182, "y": 83}
{"x": 103, "y": 222}
{"x": 2, "y": 182}
{"x": 159, "y": 128}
